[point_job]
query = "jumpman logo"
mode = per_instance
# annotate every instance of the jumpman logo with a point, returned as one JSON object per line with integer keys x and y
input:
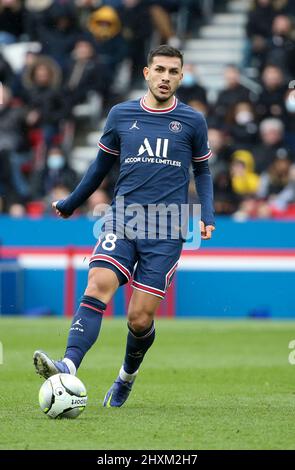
{"x": 78, "y": 322}
{"x": 134, "y": 126}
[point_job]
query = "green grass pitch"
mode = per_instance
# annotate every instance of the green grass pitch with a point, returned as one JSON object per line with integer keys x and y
{"x": 203, "y": 385}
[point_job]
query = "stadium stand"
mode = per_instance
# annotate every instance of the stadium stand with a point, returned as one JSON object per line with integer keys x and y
{"x": 63, "y": 64}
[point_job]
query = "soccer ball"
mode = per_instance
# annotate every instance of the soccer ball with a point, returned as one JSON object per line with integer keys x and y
{"x": 62, "y": 396}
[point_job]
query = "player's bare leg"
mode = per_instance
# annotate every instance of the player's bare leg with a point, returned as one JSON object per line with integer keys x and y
{"x": 102, "y": 284}
{"x": 141, "y": 335}
{"x": 85, "y": 327}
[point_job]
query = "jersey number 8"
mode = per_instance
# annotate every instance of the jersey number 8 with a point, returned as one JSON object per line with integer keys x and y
{"x": 109, "y": 243}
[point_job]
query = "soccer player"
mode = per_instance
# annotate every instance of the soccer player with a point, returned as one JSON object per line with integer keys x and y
{"x": 157, "y": 138}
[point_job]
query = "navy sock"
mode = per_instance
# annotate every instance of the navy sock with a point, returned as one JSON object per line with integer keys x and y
{"x": 84, "y": 329}
{"x": 137, "y": 346}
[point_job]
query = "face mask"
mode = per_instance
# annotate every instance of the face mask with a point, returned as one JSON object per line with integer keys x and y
{"x": 244, "y": 117}
{"x": 55, "y": 162}
{"x": 188, "y": 79}
{"x": 290, "y": 105}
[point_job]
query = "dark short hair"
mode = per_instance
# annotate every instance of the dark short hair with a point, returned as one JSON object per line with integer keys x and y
{"x": 166, "y": 51}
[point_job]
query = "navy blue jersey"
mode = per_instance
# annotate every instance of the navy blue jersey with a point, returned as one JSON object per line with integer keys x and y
{"x": 156, "y": 148}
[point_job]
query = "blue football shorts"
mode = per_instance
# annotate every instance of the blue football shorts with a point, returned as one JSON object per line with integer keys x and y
{"x": 150, "y": 264}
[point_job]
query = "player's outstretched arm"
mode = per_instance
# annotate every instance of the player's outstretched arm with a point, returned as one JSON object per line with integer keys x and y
{"x": 89, "y": 183}
{"x": 204, "y": 186}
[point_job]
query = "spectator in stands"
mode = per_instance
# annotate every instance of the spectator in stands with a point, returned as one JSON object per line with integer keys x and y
{"x": 57, "y": 29}
{"x": 258, "y": 32}
{"x": 106, "y": 29}
{"x": 186, "y": 13}
{"x": 272, "y": 144}
{"x": 285, "y": 197}
{"x": 84, "y": 74}
{"x": 190, "y": 89}
{"x": 161, "y": 11}
{"x": 281, "y": 50}
{"x": 276, "y": 193}
{"x": 259, "y": 18}
{"x": 86, "y": 7}
{"x": 14, "y": 150}
{"x": 57, "y": 172}
{"x": 242, "y": 126}
{"x": 244, "y": 180}
{"x": 137, "y": 31}
{"x": 44, "y": 98}
{"x": 275, "y": 179}
{"x": 19, "y": 83}
{"x": 11, "y": 21}
{"x": 226, "y": 201}
{"x": 233, "y": 92}
{"x": 36, "y": 13}
{"x": 271, "y": 100}
{"x": 221, "y": 150}
{"x": 135, "y": 28}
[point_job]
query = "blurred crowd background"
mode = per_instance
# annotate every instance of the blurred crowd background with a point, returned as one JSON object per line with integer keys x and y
{"x": 80, "y": 57}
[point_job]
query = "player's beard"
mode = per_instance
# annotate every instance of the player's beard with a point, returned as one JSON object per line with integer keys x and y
{"x": 161, "y": 99}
